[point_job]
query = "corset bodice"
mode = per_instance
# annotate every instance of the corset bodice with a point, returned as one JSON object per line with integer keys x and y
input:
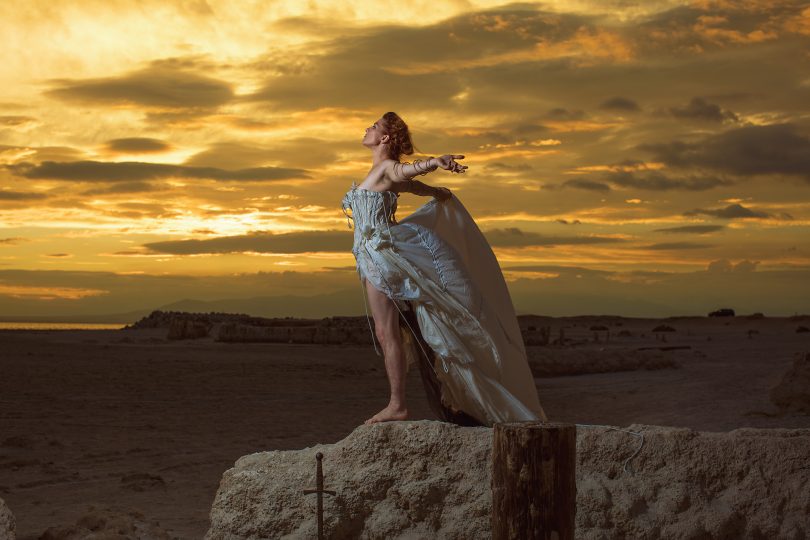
{"x": 372, "y": 213}
{"x": 370, "y": 207}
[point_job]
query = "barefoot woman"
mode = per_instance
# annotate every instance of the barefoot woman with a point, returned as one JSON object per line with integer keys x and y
{"x": 485, "y": 373}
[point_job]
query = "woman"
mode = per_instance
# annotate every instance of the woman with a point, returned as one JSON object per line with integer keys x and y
{"x": 436, "y": 262}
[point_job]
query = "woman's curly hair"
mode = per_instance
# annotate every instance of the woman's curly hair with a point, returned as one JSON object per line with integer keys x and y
{"x": 399, "y": 135}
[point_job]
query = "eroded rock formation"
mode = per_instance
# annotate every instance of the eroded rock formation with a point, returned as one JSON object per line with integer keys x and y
{"x": 7, "y": 523}
{"x": 792, "y": 393}
{"x": 429, "y": 479}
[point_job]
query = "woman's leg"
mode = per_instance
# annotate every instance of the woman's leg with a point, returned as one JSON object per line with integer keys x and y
{"x": 386, "y": 328}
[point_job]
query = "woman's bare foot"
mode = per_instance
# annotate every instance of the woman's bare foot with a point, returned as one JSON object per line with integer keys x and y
{"x": 389, "y": 413}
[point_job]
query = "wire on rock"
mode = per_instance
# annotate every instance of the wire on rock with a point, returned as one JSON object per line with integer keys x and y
{"x": 638, "y": 434}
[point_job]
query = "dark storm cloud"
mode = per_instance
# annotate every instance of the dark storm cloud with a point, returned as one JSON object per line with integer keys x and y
{"x": 151, "y": 209}
{"x": 746, "y": 266}
{"x": 507, "y": 167}
{"x": 689, "y": 29}
{"x": 129, "y": 252}
{"x": 748, "y": 150}
{"x": 676, "y": 246}
{"x": 513, "y": 57}
{"x": 314, "y": 26}
{"x": 13, "y": 240}
{"x": 137, "y": 144}
{"x": 21, "y": 195}
{"x": 294, "y": 242}
{"x": 228, "y": 154}
{"x": 16, "y": 121}
{"x": 185, "y": 119}
{"x": 152, "y": 87}
{"x": 341, "y": 268}
{"x": 507, "y": 132}
{"x": 514, "y": 237}
{"x": 724, "y": 266}
{"x": 337, "y": 241}
{"x": 586, "y": 184}
{"x": 91, "y": 171}
{"x": 195, "y": 62}
{"x": 650, "y": 41}
{"x": 348, "y": 83}
{"x": 358, "y": 58}
{"x": 560, "y": 113}
{"x": 562, "y": 270}
{"x": 735, "y": 211}
{"x": 619, "y": 104}
{"x": 691, "y": 229}
{"x": 656, "y": 181}
{"x": 122, "y": 187}
{"x": 529, "y": 129}
{"x": 43, "y": 153}
{"x": 301, "y": 151}
{"x": 700, "y": 109}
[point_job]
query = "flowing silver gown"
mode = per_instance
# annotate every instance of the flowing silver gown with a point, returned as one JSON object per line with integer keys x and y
{"x": 438, "y": 260}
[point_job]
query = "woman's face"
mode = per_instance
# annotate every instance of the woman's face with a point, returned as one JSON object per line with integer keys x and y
{"x": 375, "y": 133}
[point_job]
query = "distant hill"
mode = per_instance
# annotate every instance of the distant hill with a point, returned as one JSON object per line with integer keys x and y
{"x": 344, "y": 302}
{"x": 347, "y": 302}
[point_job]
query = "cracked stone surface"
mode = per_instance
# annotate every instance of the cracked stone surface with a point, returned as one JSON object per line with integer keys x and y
{"x": 430, "y": 479}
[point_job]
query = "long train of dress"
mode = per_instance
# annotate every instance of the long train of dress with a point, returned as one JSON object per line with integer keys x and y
{"x": 436, "y": 263}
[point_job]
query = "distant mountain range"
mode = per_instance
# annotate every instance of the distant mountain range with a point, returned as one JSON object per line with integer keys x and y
{"x": 347, "y": 302}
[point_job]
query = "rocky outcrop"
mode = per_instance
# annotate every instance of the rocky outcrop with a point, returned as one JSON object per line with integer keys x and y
{"x": 564, "y": 352}
{"x": 322, "y": 334}
{"x": 7, "y": 523}
{"x": 423, "y": 478}
{"x": 555, "y": 362}
{"x": 792, "y": 393}
{"x": 429, "y": 479}
{"x": 240, "y": 328}
{"x": 164, "y": 319}
{"x": 188, "y": 329}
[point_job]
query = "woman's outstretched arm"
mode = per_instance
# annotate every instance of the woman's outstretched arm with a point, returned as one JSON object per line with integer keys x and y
{"x": 402, "y": 174}
{"x": 404, "y": 171}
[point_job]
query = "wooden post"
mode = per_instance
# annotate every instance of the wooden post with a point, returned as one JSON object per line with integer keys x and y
{"x": 533, "y": 480}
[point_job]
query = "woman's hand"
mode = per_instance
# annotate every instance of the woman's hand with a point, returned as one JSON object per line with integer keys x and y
{"x": 448, "y": 163}
{"x": 442, "y": 193}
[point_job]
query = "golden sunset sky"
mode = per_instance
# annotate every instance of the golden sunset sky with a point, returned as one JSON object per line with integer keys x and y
{"x": 638, "y": 159}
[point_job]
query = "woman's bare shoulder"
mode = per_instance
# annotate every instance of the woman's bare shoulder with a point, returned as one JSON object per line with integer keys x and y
{"x": 393, "y": 171}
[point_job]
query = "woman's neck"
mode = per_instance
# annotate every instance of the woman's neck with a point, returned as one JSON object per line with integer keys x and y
{"x": 378, "y": 155}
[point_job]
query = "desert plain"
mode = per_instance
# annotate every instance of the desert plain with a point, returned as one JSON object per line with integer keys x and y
{"x": 93, "y": 421}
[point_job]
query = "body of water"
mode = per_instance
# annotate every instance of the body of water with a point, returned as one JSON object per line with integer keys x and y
{"x": 59, "y": 326}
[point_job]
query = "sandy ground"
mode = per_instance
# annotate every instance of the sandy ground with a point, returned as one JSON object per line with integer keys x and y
{"x": 131, "y": 419}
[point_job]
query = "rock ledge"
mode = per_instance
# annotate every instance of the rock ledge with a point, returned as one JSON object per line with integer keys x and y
{"x": 429, "y": 479}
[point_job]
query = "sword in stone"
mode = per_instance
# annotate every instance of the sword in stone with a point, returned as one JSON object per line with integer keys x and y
{"x": 320, "y": 491}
